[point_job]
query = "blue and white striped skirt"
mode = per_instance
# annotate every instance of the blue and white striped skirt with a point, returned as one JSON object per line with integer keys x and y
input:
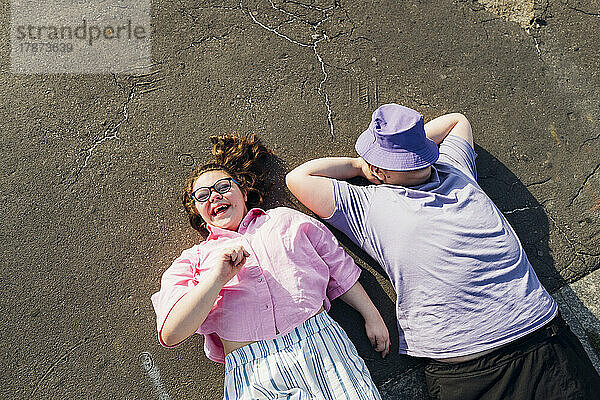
{"x": 314, "y": 361}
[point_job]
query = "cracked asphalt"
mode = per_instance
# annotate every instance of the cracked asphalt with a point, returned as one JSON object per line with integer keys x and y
{"x": 93, "y": 165}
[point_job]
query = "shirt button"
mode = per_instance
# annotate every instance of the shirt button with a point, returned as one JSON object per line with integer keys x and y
{"x": 259, "y": 279}
{"x": 266, "y": 306}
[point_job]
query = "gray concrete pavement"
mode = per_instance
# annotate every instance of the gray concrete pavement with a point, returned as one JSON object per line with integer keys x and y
{"x": 93, "y": 165}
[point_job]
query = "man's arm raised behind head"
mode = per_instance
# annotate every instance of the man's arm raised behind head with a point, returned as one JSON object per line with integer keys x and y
{"x": 450, "y": 124}
{"x": 311, "y": 181}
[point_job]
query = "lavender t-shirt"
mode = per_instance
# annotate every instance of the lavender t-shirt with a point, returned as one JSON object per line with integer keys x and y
{"x": 462, "y": 278}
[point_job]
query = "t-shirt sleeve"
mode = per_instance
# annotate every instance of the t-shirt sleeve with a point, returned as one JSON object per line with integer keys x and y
{"x": 343, "y": 271}
{"x": 351, "y": 207}
{"x": 457, "y": 152}
{"x": 176, "y": 281}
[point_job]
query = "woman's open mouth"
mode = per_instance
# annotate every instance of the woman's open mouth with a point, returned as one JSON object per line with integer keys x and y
{"x": 220, "y": 209}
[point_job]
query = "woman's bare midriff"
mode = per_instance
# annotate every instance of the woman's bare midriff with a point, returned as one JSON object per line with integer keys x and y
{"x": 229, "y": 345}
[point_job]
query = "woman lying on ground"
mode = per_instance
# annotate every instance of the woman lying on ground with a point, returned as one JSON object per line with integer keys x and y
{"x": 259, "y": 286}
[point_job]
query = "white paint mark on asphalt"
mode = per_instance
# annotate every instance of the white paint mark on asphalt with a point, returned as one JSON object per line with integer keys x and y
{"x": 527, "y": 208}
{"x": 537, "y": 46}
{"x": 154, "y": 375}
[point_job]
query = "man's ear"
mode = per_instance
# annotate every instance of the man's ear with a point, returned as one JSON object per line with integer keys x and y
{"x": 377, "y": 172}
{"x": 245, "y": 193}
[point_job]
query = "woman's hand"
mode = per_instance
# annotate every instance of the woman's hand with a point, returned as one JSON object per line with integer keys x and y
{"x": 378, "y": 334}
{"x": 228, "y": 262}
{"x": 192, "y": 309}
{"x": 377, "y": 331}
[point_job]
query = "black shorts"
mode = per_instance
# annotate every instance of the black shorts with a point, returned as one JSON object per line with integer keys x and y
{"x": 549, "y": 363}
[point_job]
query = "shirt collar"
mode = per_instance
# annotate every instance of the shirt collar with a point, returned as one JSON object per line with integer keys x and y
{"x": 215, "y": 232}
{"x": 431, "y": 183}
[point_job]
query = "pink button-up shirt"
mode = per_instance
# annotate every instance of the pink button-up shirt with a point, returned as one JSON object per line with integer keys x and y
{"x": 295, "y": 266}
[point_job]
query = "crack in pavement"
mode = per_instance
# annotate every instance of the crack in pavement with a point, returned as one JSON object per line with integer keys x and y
{"x": 307, "y": 6}
{"x": 274, "y": 30}
{"x": 579, "y": 254}
{"x": 317, "y": 37}
{"x": 576, "y": 246}
{"x": 109, "y": 133}
{"x": 585, "y": 181}
{"x": 579, "y": 10}
{"x": 140, "y": 84}
{"x": 537, "y": 48}
{"x": 148, "y": 82}
{"x": 327, "y": 105}
{"x": 302, "y": 87}
{"x": 58, "y": 361}
{"x": 539, "y": 182}
{"x": 589, "y": 140}
{"x": 196, "y": 43}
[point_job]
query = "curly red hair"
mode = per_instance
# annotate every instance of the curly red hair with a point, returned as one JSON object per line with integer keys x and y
{"x": 242, "y": 158}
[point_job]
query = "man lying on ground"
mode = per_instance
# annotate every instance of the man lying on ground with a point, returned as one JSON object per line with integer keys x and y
{"x": 467, "y": 297}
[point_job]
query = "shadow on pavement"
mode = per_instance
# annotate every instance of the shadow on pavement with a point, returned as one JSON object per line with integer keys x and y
{"x": 527, "y": 217}
{"x": 532, "y": 225}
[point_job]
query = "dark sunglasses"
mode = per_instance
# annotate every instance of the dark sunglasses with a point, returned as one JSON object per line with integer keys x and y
{"x": 221, "y": 186}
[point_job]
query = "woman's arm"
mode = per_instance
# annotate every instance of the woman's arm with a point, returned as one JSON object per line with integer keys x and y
{"x": 343, "y": 282}
{"x": 191, "y": 310}
{"x": 377, "y": 331}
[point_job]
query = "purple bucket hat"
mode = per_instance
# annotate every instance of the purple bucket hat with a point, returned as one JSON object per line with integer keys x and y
{"x": 396, "y": 141}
